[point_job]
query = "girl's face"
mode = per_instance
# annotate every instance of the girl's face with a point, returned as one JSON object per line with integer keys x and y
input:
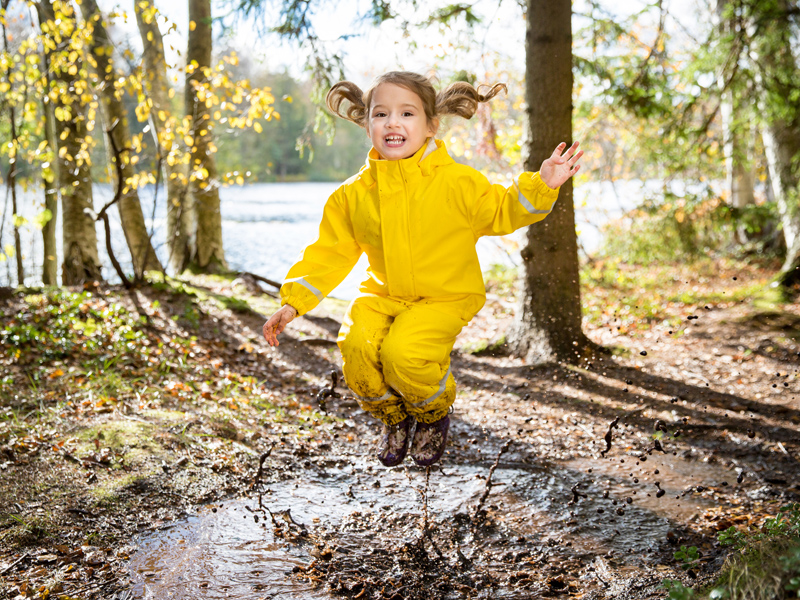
{"x": 396, "y": 123}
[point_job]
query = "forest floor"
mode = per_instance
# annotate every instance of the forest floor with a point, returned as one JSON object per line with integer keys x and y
{"x": 126, "y": 416}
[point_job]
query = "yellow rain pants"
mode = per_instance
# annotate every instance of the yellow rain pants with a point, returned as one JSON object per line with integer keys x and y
{"x": 417, "y": 220}
{"x": 396, "y": 356}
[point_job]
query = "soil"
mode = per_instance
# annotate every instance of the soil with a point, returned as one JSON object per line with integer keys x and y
{"x": 712, "y": 390}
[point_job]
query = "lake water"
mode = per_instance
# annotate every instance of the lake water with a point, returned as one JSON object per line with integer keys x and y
{"x": 266, "y": 225}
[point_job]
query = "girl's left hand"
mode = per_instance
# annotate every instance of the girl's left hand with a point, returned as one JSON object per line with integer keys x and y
{"x": 561, "y": 165}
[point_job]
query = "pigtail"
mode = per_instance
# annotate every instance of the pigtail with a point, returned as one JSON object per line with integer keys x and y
{"x": 462, "y": 99}
{"x": 349, "y": 93}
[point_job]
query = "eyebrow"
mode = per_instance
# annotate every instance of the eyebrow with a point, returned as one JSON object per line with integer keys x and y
{"x": 406, "y": 105}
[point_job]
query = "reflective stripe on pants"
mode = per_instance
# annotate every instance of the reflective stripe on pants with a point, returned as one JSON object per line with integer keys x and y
{"x": 396, "y": 356}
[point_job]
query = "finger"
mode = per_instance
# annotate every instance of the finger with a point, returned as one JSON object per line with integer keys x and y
{"x": 269, "y": 332}
{"x": 559, "y": 150}
{"x": 572, "y": 150}
{"x": 575, "y": 158}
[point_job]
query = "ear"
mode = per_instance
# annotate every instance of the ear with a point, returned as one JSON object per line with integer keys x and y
{"x": 433, "y": 127}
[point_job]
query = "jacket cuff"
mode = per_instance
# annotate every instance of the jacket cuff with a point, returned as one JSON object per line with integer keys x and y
{"x": 296, "y": 303}
{"x": 541, "y": 187}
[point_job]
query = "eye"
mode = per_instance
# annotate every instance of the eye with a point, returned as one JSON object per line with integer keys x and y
{"x": 408, "y": 114}
{"x": 379, "y": 114}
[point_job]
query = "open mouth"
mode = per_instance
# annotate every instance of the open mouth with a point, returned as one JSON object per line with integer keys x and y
{"x": 393, "y": 141}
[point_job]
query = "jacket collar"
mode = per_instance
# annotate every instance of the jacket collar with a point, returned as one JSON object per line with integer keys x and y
{"x": 433, "y": 154}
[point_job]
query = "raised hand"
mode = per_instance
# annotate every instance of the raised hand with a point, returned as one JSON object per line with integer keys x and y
{"x": 561, "y": 165}
{"x": 277, "y": 322}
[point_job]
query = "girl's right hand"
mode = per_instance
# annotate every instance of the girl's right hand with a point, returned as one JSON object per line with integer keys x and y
{"x": 277, "y": 322}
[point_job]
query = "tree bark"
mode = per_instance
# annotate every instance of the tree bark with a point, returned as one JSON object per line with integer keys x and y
{"x": 180, "y": 220}
{"x": 739, "y": 167}
{"x": 50, "y": 248}
{"x": 548, "y": 319}
{"x": 49, "y": 245}
{"x": 81, "y": 260}
{"x": 143, "y": 256}
{"x": 11, "y": 179}
{"x": 777, "y": 71}
{"x": 203, "y": 181}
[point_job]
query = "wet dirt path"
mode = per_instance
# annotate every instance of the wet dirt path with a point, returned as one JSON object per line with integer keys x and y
{"x": 585, "y": 523}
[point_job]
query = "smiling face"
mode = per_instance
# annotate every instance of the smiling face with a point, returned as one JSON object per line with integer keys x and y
{"x": 396, "y": 123}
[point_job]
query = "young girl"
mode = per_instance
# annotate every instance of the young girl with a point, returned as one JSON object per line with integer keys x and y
{"x": 418, "y": 215}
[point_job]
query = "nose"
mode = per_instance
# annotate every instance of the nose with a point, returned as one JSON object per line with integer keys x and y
{"x": 393, "y": 120}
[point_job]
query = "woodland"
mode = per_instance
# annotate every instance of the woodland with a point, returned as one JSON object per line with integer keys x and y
{"x": 627, "y": 424}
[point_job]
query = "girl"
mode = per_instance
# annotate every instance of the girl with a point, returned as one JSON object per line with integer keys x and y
{"x": 417, "y": 214}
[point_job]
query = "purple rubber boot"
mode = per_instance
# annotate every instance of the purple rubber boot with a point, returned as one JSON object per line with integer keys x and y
{"x": 394, "y": 442}
{"x": 430, "y": 440}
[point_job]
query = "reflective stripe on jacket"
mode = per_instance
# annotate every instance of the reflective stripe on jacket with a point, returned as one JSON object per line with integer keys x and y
{"x": 418, "y": 220}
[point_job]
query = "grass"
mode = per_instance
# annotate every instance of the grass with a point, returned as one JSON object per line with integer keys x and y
{"x": 765, "y": 564}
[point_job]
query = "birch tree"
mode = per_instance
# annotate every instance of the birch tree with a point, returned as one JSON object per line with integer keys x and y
{"x": 203, "y": 179}
{"x": 115, "y": 117}
{"x": 778, "y": 77}
{"x": 74, "y": 111}
{"x": 179, "y": 212}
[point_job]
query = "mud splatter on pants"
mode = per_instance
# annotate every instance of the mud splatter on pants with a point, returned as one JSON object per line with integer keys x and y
{"x": 396, "y": 355}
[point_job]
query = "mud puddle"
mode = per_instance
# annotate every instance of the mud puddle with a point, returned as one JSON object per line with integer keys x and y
{"x": 593, "y": 506}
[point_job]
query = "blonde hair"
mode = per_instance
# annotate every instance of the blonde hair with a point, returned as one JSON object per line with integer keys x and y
{"x": 346, "y": 100}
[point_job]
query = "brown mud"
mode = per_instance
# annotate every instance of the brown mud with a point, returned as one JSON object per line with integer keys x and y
{"x": 559, "y": 481}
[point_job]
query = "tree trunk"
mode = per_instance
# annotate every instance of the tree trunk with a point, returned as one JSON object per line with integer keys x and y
{"x": 50, "y": 247}
{"x": 81, "y": 261}
{"x": 143, "y": 256}
{"x": 782, "y": 145}
{"x": 739, "y": 167}
{"x": 180, "y": 220}
{"x": 50, "y": 259}
{"x": 11, "y": 179}
{"x": 777, "y": 70}
{"x": 203, "y": 182}
{"x": 548, "y": 320}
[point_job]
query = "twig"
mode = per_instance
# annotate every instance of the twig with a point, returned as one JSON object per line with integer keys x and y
{"x": 96, "y": 584}
{"x": 103, "y": 214}
{"x": 488, "y": 486}
{"x": 14, "y": 564}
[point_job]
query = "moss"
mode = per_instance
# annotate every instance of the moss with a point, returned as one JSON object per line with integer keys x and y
{"x": 109, "y": 492}
{"x": 134, "y": 441}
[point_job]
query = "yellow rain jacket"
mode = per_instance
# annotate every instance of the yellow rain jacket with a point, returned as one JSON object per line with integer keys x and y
{"x": 418, "y": 220}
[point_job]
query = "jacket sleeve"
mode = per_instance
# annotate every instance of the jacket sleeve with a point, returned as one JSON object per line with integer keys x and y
{"x": 500, "y": 210}
{"x": 324, "y": 263}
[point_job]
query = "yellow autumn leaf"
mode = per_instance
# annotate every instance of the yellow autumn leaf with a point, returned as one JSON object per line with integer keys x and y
{"x": 192, "y": 25}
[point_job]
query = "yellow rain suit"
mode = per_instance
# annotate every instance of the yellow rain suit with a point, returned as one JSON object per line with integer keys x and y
{"x": 418, "y": 219}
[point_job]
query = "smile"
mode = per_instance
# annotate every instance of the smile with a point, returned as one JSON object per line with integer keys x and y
{"x": 394, "y": 140}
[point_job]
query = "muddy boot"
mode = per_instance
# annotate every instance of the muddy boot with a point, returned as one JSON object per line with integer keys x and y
{"x": 429, "y": 441}
{"x": 394, "y": 442}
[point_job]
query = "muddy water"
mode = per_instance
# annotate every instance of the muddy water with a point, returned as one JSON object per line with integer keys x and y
{"x": 223, "y": 552}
